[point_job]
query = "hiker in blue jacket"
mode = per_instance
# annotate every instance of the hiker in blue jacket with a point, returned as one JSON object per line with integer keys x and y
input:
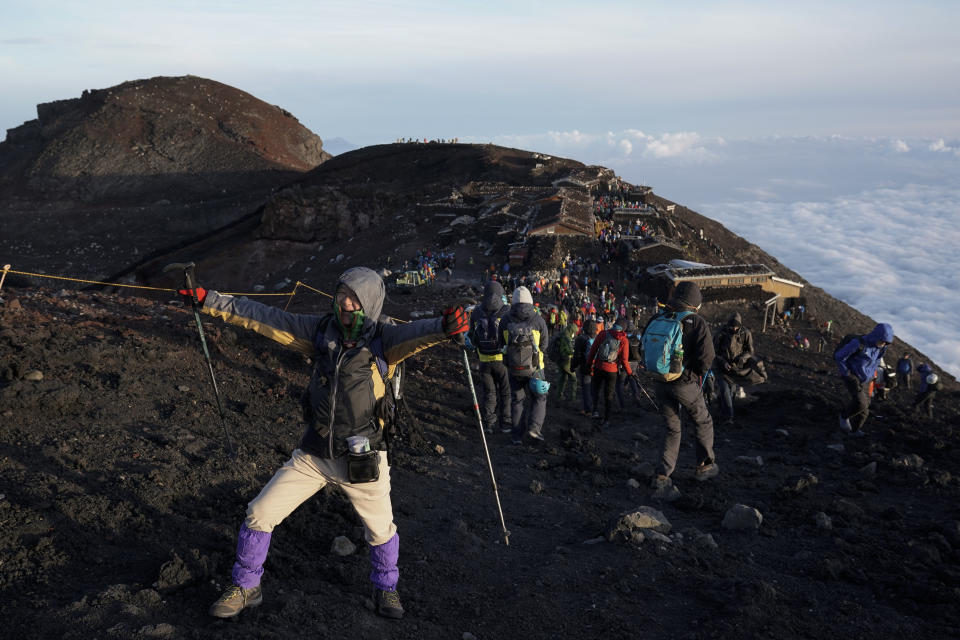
{"x": 904, "y": 369}
{"x": 857, "y": 362}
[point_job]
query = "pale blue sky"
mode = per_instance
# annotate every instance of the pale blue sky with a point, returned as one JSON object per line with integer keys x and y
{"x": 372, "y": 71}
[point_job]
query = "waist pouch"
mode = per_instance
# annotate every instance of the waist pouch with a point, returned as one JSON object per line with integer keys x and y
{"x": 363, "y": 467}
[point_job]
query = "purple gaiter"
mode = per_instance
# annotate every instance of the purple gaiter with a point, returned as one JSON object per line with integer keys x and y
{"x": 383, "y": 564}
{"x": 251, "y": 553}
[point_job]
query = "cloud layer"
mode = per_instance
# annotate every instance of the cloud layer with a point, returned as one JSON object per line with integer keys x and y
{"x": 891, "y": 253}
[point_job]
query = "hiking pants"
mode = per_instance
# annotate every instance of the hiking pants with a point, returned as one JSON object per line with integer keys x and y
{"x": 606, "y": 380}
{"x": 526, "y": 419}
{"x": 686, "y": 394}
{"x": 924, "y": 402}
{"x": 496, "y": 390}
{"x": 586, "y": 391}
{"x": 295, "y": 482}
{"x": 905, "y": 380}
{"x": 627, "y": 384}
{"x": 859, "y": 406}
{"x": 727, "y": 390}
{"x": 567, "y": 379}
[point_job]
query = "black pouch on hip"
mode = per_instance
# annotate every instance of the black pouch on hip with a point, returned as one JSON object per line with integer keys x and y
{"x": 363, "y": 467}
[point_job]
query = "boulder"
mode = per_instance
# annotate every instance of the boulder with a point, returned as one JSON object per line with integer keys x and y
{"x": 740, "y": 517}
{"x": 631, "y": 526}
{"x": 342, "y": 546}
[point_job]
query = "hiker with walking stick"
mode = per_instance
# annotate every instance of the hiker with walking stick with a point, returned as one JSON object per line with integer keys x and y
{"x": 354, "y": 353}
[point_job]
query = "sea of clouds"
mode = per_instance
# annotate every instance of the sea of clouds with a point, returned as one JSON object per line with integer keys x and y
{"x": 873, "y": 221}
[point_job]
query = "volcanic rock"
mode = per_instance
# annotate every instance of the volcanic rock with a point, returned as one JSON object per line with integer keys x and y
{"x": 169, "y": 138}
{"x": 741, "y": 517}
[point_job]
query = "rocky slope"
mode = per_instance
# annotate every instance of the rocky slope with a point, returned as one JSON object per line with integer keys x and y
{"x": 119, "y": 508}
{"x": 97, "y": 183}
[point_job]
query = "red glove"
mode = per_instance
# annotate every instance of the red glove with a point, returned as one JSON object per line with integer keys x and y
{"x": 455, "y": 322}
{"x": 188, "y": 294}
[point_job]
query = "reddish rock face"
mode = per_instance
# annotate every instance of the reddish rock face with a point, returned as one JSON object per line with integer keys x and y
{"x": 176, "y": 138}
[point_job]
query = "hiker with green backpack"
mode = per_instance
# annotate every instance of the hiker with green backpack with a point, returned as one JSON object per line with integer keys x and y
{"x": 561, "y": 352}
{"x": 677, "y": 353}
{"x": 354, "y": 353}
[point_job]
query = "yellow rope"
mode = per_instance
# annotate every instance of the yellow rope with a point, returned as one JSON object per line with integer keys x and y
{"x": 315, "y": 290}
{"x": 128, "y": 286}
{"x": 109, "y": 284}
{"x": 135, "y": 286}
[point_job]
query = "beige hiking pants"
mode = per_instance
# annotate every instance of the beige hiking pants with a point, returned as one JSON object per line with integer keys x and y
{"x": 303, "y": 475}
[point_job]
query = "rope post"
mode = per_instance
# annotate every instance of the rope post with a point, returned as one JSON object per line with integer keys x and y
{"x": 6, "y": 268}
{"x": 292, "y": 293}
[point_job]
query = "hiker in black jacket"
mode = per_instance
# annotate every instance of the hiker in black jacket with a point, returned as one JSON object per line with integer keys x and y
{"x": 486, "y": 335}
{"x": 734, "y": 350}
{"x": 581, "y": 347}
{"x": 685, "y": 391}
{"x": 353, "y": 353}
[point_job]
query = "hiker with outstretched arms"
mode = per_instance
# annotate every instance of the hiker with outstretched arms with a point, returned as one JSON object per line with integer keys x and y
{"x": 678, "y": 352}
{"x": 486, "y": 336}
{"x": 354, "y": 353}
{"x": 857, "y": 359}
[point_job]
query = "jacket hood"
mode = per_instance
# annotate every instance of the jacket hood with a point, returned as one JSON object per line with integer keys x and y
{"x": 883, "y": 332}
{"x": 570, "y": 330}
{"x": 522, "y": 311}
{"x": 735, "y": 320}
{"x": 492, "y": 296}
{"x": 368, "y": 286}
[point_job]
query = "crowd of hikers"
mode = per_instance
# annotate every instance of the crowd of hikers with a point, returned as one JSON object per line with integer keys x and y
{"x": 609, "y": 348}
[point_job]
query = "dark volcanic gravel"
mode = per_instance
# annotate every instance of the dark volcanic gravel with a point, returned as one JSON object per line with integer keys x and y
{"x": 119, "y": 509}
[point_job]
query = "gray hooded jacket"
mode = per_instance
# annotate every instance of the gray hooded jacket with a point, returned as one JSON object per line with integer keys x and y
{"x": 345, "y": 387}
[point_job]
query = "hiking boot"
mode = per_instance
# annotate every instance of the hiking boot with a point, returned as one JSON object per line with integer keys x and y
{"x": 595, "y": 415}
{"x": 536, "y": 435}
{"x": 706, "y": 470}
{"x": 236, "y": 599}
{"x": 506, "y": 429}
{"x": 845, "y": 425}
{"x": 387, "y": 604}
{"x": 859, "y": 433}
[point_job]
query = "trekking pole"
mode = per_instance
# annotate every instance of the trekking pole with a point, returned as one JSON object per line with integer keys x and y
{"x": 187, "y": 269}
{"x": 483, "y": 438}
{"x": 642, "y": 388}
{"x": 6, "y": 268}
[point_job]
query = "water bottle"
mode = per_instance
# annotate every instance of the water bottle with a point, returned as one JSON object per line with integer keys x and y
{"x": 676, "y": 362}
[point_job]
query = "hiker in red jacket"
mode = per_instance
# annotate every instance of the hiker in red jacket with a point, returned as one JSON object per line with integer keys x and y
{"x": 609, "y": 352}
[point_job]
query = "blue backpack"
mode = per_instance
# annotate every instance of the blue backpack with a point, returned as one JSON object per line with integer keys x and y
{"x": 663, "y": 346}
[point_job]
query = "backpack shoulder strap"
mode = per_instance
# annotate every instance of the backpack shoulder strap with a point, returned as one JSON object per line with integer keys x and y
{"x": 376, "y": 348}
